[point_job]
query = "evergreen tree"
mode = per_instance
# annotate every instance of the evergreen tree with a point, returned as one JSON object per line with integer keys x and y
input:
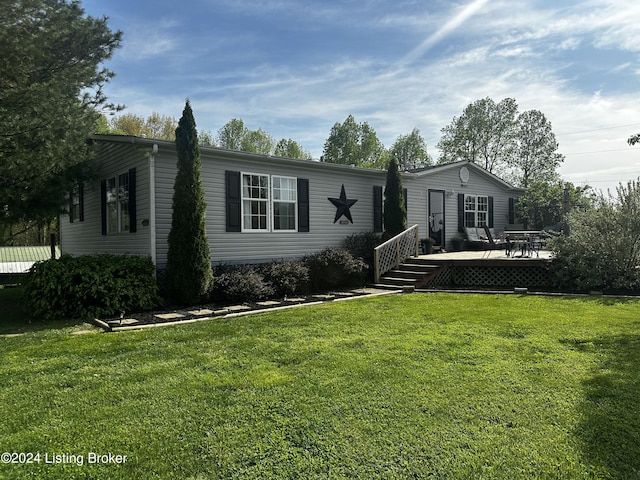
{"x": 395, "y": 215}
{"x": 51, "y": 81}
{"x": 189, "y": 274}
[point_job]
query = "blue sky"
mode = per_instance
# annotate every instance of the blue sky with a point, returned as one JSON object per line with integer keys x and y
{"x": 294, "y": 68}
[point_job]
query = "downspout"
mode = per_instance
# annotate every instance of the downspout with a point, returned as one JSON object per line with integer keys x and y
{"x": 152, "y": 203}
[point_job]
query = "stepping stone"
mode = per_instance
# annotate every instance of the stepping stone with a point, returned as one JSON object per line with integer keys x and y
{"x": 169, "y": 316}
{"x": 238, "y": 308}
{"x": 201, "y": 312}
{"x": 268, "y": 303}
{"x": 123, "y": 322}
{"x": 296, "y": 299}
{"x": 346, "y": 294}
{"x": 324, "y": 297}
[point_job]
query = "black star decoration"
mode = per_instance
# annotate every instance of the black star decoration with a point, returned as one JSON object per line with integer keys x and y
{"x": 342, "y": 205}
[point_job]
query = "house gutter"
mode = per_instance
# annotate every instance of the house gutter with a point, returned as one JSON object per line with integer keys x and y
{"x": 152, "y": 203}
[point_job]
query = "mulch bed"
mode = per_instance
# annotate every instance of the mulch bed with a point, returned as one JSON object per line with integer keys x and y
{"x": 130, "y": 321}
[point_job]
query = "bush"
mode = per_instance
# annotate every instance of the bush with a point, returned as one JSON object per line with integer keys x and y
{"x": 361, "y": 245}
{"x": 287, "y": 277}
{"x": 241, "y": 284}
{"x": 91, "y": 286}
{"x": 334, "y": 268}
{"x": 602, "y": 251}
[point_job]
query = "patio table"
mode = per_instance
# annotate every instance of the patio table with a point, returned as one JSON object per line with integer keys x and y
{"x": 527, "y": 241}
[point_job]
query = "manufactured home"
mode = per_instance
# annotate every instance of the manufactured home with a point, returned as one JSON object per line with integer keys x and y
{"x": 261, "y": 207}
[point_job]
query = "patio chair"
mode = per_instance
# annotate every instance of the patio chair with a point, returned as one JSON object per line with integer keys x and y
{"x": 496, "y": 244}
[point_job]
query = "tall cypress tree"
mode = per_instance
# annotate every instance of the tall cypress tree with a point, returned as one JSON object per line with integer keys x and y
{"x": 395, "y": 215}
{"x": 189, "y": 274}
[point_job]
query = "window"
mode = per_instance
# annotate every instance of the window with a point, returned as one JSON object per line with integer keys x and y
{"x": 268, "y": 203}
{"x": 255, "y": 199}
{"x": 76, "y": 204}
{"x": 476, "y": 210}
{"x": 284, "y": 203}
{"x": 117, "y": 204}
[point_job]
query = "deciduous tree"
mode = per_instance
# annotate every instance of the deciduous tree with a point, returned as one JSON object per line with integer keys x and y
{"x": 536, "y": 158}
{"x": 291, "y": 149}
{"x": 352, "y": 143}
{"x": 189, "y": 275}
{"x": 543, "y": 204}
{"x": 410, "y": 151}
{"x": 483, "y": 134}
{"x": 231, "y": 135}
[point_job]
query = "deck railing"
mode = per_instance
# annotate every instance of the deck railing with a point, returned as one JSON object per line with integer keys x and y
{"x": 394, "y": 251}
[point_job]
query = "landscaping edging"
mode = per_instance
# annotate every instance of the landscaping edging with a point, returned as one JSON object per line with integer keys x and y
{"x": 176, "y": 318}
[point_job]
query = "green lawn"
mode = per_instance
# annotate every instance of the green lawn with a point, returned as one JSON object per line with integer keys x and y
{"x": 415, "y": 386}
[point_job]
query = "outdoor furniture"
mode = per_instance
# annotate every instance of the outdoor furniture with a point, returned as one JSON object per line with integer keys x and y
{"x": 496, "y": 243}
{"x": 485, "y": 238}
{"x": 527, "y": 241}
{"x": 477, "y": 237}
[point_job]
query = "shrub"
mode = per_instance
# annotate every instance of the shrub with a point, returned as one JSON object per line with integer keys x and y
{"x": 90, "y": 286}
{"x": 334, "y": 268}
{"x": 287, "y": 277}
{"x": 241, "y": 284}
{"x": 602, "y": 251}
{"x": 361, "y": 245}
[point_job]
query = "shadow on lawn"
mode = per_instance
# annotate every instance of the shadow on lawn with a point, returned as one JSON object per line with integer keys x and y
{"x": 15, "y": 319}
{"x": 610, "y": 429}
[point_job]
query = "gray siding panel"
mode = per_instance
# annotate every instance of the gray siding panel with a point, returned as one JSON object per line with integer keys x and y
{"x": 449, "y": 181}
{"x": 119, "y": 154}
{"x": 237, "y": 247}
{"x": 84, "y": 238}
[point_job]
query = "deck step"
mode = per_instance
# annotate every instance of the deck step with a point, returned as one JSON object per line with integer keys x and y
{"x": 411, "y": 273}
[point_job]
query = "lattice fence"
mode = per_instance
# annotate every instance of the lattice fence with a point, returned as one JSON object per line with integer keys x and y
{"x": 493, "y": 276}
{"x": 395, "y": 251}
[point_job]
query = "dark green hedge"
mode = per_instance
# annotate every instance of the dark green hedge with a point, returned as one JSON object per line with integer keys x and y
{"x": 91, "y": 286}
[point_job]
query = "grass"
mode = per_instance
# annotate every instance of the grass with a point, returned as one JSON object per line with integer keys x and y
{"x": 15, "y": 320}
{"x": 414, "y": 386}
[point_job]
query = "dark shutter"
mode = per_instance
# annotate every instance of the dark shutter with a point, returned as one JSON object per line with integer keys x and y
{"x": 512, "y": 210}
{"x": 405, "y": 196}
{"x": 303, "y": 205}
{"x": 377, "y": 209}
{"x": 461, "y": 212}
{"x": 233, "y": 199}
{"x": 81, "y": 201}
{"x": 133, "y": 218}
{"x": 103, "y": 205}
{"x": 490, "y": 201}
{"x": 71, "y": 206}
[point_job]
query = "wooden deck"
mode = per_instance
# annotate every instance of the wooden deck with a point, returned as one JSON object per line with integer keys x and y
{"x": 489, "y": 268}
{"x": 484, "y": 256}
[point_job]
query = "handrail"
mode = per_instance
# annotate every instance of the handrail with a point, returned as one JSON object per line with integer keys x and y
{"x": 394, "y": 251}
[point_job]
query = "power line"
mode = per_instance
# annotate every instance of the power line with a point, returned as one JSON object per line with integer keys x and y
{"x": 598, "y": 151}
{"x": 598, "y": 129}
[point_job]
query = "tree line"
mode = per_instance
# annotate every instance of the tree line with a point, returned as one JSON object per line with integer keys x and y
{"x": 52, "y": 100}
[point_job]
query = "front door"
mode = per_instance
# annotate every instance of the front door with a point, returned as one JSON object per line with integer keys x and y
{"x": 436, "y": 217}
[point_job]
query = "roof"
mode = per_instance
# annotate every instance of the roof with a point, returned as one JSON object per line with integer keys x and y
{"x": 259, "y": 157}
{"x": 474, "y": 166}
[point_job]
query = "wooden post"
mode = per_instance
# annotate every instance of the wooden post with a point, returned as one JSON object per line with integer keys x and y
{"x": 52, "y": 239}
{"x": 376, "y": 266}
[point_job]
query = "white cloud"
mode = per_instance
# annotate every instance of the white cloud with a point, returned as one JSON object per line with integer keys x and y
{"x": 149, "y": 39}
